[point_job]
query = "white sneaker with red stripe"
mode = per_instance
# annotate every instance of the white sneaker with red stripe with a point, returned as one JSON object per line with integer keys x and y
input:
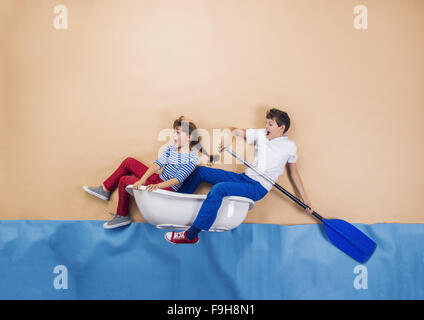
{"x": 179, "y": 238}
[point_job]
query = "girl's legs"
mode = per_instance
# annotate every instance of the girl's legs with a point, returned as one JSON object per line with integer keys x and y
{"x": 122, "y": 178}
{"x": 127, "y": 167}
{"x": 124, "y": 196}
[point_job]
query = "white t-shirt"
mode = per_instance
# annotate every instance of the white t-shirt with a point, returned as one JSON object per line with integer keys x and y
{"x": 271, "y": 156}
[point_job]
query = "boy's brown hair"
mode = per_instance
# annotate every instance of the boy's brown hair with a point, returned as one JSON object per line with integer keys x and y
{"x": 281, "y": 117}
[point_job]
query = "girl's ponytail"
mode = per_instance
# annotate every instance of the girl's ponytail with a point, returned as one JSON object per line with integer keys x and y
{"x": 211, "y": 158}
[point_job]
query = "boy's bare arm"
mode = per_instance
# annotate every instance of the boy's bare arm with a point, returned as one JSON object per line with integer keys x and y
{"x": 235, "y": 132}
{"x": 297, "y": 181}
{"x": 238, "y": 132}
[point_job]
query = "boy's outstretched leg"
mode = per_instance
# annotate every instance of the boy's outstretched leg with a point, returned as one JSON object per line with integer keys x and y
{"x": 208, "y": 175}
{"x": 210, "y": 207}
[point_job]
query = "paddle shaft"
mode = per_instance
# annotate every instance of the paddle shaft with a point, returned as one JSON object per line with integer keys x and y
{"x": 300, "y": 203}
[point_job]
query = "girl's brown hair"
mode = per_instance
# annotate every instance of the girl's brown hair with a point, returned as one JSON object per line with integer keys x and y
{"x": 190, "y": 129}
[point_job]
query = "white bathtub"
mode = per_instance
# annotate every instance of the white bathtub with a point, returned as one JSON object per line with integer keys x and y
{"x": 172, "y": 210}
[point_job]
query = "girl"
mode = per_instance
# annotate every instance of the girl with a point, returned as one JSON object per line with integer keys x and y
{"x": 179, "y": 160}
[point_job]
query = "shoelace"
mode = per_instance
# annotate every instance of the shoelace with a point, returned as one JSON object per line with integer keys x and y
{"x": 114, "y": 215}
{"x": 179, "y": 235}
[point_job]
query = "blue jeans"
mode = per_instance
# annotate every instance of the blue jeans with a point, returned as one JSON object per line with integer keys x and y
{"x": 225, "y": 183}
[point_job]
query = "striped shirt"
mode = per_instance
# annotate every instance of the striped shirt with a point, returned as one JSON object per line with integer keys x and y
{"x": 178, "y": 165}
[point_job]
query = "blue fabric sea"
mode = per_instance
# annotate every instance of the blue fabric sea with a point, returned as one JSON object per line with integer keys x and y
{"x": 50, "y": 259}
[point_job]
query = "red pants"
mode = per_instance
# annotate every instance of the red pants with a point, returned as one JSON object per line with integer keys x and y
{"x": 122, "y": 177}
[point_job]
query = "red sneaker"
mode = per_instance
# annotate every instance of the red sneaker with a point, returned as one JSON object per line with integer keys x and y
{"x": 179, "y": 238}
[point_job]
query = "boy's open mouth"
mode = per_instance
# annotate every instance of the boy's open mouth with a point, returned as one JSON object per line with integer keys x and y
{"x": 267, "y": 133}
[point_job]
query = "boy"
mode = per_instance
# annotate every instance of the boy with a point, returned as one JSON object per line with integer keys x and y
{"x": 273, "y": 150}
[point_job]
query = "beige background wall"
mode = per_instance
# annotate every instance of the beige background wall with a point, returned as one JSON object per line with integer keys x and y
{"x": 76, "y": 102}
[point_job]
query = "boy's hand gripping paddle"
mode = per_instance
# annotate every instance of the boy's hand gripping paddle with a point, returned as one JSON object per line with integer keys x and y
{"x": 342, "y": 234}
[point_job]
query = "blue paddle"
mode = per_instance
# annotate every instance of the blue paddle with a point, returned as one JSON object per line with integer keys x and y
{"x": 342, "y": 234}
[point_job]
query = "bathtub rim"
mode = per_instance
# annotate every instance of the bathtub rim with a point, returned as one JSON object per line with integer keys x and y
{"x": 130, "y": 190}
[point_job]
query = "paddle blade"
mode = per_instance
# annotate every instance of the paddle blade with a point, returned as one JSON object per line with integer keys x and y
{"x": 349, "y": 239}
